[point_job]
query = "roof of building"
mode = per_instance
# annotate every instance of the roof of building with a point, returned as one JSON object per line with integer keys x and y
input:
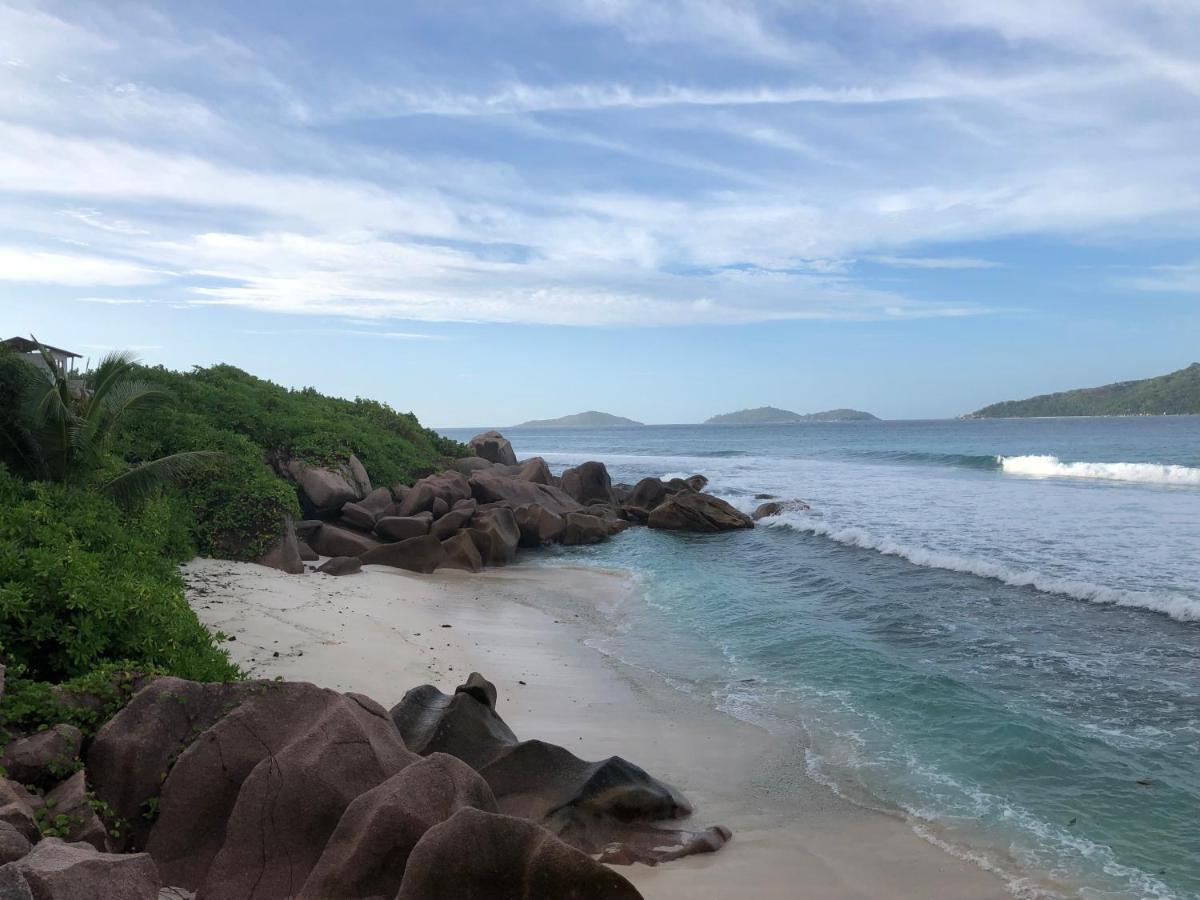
{"x": 24, "y": 345}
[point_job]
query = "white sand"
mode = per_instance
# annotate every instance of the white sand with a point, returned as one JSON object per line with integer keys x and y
{"x": 381, "y": 632}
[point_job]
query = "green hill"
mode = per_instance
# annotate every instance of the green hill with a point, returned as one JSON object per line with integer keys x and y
{"x": 589, "y": 419}
{"x": 1175, "y": 394}
{"x": 771, "y": 415}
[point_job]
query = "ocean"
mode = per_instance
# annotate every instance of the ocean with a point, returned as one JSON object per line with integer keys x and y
{"x": 991, "y": 626}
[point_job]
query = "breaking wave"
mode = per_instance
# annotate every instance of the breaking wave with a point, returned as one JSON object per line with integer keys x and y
{"x": 1145, "y": 473}
{"x": 1177, "y": 606}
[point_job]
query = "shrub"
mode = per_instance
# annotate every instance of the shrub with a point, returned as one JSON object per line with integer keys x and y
{"x": 83, "y": 583}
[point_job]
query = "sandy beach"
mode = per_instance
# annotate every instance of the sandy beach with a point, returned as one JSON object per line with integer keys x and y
{"x": 384, "y": 631}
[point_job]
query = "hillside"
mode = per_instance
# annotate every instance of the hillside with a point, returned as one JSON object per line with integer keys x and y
{"x": 770, "y": 415}
{"x": 1177, "y": 393}
{"x": 589, "y": 419}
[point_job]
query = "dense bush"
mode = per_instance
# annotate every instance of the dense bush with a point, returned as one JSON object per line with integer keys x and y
{"x": 393, "y": 446}
{"x": 83, "y": 583}
{"x": 238, "y": 502}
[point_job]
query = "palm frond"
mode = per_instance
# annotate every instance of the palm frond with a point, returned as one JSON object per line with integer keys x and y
{"x": 141, "y": 481}
{"x": 105, "y": 414}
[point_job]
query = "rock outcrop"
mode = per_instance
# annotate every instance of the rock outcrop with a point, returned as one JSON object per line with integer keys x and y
{"x": 494, "y": 447}
{"x": 341, "y": 565}
{"x": 284, "y": 554}
{"x": 689, "y": 511}
{"x": 496, "y": 536}
{"x": 460, "y": 552}
{"x": 401, "y": 528}
{"x": 538, "y": 525}
{"x": 417, "y": 554}
{"x": 492, "y": 487}
{"x": 502, "y": 858}
{"x": 589, "y": 483}
{"x": 581, "y": 528}
{"x": 324, "y": 491}
{"x": 56, "y": 870}
{"x": 44, "y": 757}
{"x": 330, "y": 540}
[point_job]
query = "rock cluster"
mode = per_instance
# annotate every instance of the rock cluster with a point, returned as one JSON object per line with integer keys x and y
{"x": 479, "y": 512}
{"x": 262, "y": 790}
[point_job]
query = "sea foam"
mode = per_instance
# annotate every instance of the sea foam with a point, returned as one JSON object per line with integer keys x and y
{"x": 1177, "y": 606}
{"x": 1146, "y": 473}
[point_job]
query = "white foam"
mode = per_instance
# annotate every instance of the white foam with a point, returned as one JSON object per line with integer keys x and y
{"x": 1144, "y": 473}
{"x": 1177, "y": 606}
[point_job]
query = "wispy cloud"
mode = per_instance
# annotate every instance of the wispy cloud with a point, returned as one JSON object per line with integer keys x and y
{"x": 934, "y": 262}
{"x": 694, "y": 161}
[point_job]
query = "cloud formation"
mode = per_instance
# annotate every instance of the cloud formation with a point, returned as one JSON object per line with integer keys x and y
{"x": 599, "y": 163}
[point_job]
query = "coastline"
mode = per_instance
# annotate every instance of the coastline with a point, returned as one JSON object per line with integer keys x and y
{"x": 382, "y": 632}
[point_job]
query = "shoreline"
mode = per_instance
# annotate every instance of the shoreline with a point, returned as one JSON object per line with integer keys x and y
{"x": 524, "y": 628}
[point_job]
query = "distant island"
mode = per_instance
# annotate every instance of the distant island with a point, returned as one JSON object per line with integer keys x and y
{"x": 770, "y": 415}
{"x": 1175, "y": 394}
{"x": 589, "y": 419}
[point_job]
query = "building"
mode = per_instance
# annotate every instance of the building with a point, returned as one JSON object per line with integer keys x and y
{"x": 29, "y": 351}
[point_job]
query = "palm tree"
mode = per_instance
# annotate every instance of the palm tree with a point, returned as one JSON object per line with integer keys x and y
{"x": 73, "y": 426}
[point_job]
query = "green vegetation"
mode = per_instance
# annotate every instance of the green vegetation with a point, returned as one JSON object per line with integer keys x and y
{"x": 589, "y": 419}
{"x": 770, "y": 415}
{"x": 1175, "y": 394}
{"x": 108, "y": 483}
{"x": 238, "y": 500}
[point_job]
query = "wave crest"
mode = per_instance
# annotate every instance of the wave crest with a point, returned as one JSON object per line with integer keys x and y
{"x": 1177, "y": 606}
{"x": 1145, "y": 473}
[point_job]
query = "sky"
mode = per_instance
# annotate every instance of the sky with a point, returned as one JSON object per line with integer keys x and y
{"x": 486, "y": 213}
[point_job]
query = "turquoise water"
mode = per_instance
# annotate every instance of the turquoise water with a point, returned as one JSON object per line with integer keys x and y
{"x": 993, "y": 626}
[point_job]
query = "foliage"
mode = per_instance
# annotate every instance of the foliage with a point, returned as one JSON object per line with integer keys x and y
{"x": 239, "y": 502}
{"x": 83, "y": 583}
{"x": 1177, "y": 393}
{"x": 69, "y": 430}
{"x": 86, "y": 701}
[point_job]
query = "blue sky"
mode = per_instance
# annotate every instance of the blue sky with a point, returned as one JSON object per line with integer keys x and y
{"x": 493, "y": 212}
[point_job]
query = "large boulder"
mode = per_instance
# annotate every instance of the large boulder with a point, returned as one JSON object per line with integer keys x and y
{"x": 355, "y": 515}
{"x": 417, "y": 554}
{"x": 496, "y": 536}
{"x": 460, "y": 552}
{"x": 448, "y": 486}
{"x": 449, "y": 524}
{"x": 133, "y": 752}
{"x": 378, "y": 503}
{"x": 202, "y": 789}
{"x": 581, "y": 528}
{"x": 55, "y": 870}
{"x": 307, "y": 553}
{"x": 589, "y": 483}
{"x": 14, "y": 844}
{"x": 492, "y": 487}
{"x": 323, "y": 491}
{"x": 69, "y": 804}
{"x": 401, "y": 528}
{"x": 608, "y": 806}
{"x": 359, "y": 477}
{"x": 494, "y": 447}
{"x": 689, "y": 511}
{"x": 477, "y": 855}
{"x": 43, "y": 758}
{"x": 284, "y": 554}
{"x": 647, "y": 493}
{"x": 534, "y": 470}
{"x": 330, "y": 540}
{"x": 341, "y": 565}
{"x": 464, "y": 724}
{"x": 17, "y": 807}
{"x": 468, "y": 465}
{"x": 307, "y": 529}
{"x": 290, "y": 804}
{"x": 368, "y": 851}
{"x": 538, "y": 525}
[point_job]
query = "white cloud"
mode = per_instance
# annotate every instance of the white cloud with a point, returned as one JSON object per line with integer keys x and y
{"x": 739, "y": 193}
{"x": 37, "y": 266}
